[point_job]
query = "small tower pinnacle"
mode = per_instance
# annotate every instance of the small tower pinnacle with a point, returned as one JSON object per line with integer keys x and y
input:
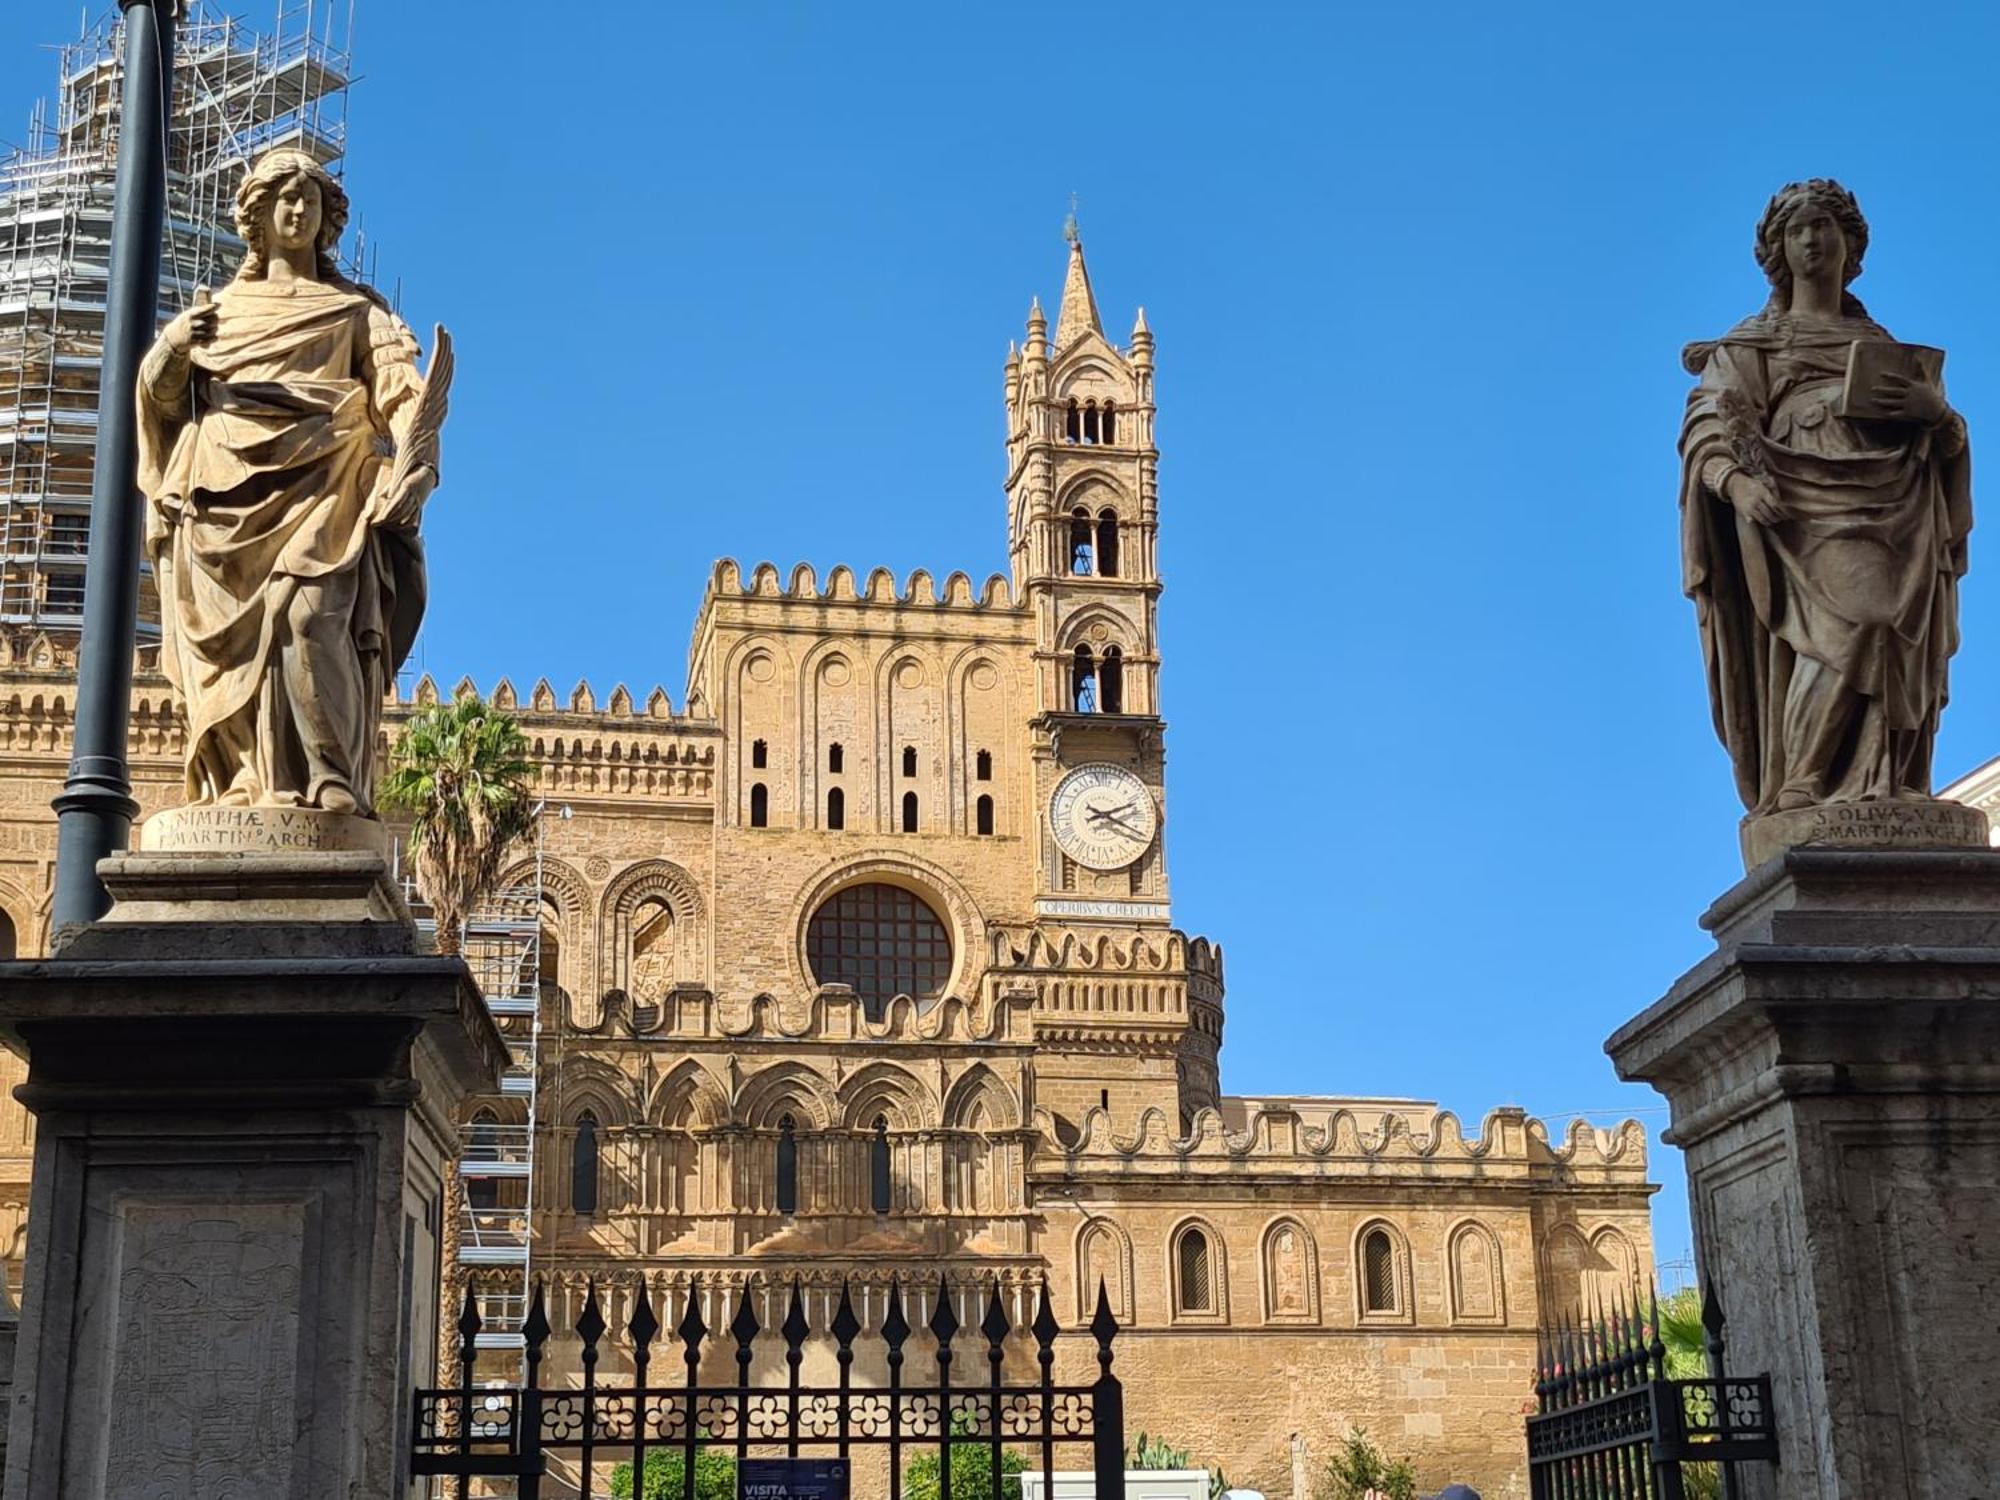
{"x": 1079, "y": 307}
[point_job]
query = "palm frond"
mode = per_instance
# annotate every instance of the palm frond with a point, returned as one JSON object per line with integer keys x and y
{"x": 462, "y": 771}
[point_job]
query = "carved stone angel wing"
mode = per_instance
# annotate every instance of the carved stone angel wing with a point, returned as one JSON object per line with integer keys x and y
{"x": 420, "y": 446}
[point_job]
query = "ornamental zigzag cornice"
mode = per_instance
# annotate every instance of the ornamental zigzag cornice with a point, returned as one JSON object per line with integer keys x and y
{"x": 1046, "y": 949}
{"x": 834, "y": 1014}
{"x": 1506, "y": 1135}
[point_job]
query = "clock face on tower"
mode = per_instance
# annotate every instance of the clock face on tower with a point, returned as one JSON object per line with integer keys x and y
{"x": 1103, "y": 817}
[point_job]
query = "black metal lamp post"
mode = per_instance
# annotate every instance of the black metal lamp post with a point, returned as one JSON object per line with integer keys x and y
{"x": 95, "y": 809}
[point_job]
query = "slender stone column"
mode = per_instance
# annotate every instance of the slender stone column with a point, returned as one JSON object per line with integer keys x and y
{"x": 1834, "y": 1074}
{"x": 242, "y": 1080}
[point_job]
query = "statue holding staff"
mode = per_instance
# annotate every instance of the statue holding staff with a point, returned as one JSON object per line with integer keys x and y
{"x": 1825, "y": 506}
{"x": 287, "y": 447}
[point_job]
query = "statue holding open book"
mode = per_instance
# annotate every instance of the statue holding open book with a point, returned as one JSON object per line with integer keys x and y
{"x": 1825, "y": 500}
{"x": 287, "y": 446}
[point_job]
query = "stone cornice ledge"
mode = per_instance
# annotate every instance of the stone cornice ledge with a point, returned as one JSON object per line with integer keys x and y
{"x": 1745, "y": 1029}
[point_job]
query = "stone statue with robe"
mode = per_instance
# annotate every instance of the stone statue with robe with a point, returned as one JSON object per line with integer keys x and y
{"x": 287, "y": 445}
{"x": 1825, "y": 506}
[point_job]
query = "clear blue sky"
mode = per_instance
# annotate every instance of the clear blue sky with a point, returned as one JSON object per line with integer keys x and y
{"x": 739, "y": 280}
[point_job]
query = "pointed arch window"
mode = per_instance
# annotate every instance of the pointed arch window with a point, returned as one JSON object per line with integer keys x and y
{"x": 982, "y": 766}
{"x": 983, "y": 815}
{"x": 1107, "y": 542}
{"x": 1072, "y": 422}
{"x": 1090, "y": 422}
{"x": 878, "y": 1167}
{"x": 1195, "y": 1272}
{"x": 1083, "y": 682}
{"x": 909, "y": 760}
{"x": 909, "y": 812}
{"x": 1111, "y": 686}
{"x": 1080, "y": 543}
{"x": 836, "y": 809}
{"x": 835, "y": 756}
{"x": 788, "y": 1167}
{"x": 583, "y": 1166}
{"x": 1110, "y": 422}
{"x": 760, "y": 755}
{"x": 760, "y": 806}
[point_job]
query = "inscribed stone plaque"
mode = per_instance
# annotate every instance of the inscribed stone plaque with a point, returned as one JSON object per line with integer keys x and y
{"x": 1865, "y": 825}
{"x": 205, "y": 1356}
{"x": 259, "y": 830}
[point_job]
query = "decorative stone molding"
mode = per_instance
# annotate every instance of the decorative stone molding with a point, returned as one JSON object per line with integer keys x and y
{"x": 1283, "y": 1134}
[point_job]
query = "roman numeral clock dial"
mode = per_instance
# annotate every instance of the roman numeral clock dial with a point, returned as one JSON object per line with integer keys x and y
{"x": 1103, "y": 817}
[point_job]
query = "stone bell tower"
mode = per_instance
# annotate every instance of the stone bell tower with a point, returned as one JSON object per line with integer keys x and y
{"x": 1083, "y": 541}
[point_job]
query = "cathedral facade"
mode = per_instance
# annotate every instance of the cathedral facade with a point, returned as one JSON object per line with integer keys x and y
{"x": 863, "y": 962}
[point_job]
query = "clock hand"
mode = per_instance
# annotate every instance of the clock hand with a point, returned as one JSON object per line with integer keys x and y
{"x": 1122, "y": 826}
{"x": 1098, "y": 815}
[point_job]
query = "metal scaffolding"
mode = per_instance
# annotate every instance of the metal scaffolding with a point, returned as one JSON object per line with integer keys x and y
{"x": 237, "y": 92}
{"x": 502, "y": 945}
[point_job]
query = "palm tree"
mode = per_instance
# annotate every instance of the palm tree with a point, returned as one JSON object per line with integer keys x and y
{"x": 1686, "y": 1343}
{"x": 462, "y": 773}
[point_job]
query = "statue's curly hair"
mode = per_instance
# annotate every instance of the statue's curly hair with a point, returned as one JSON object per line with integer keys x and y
{"x": 253, "y": 194}
{"x": 1818, "y": 192}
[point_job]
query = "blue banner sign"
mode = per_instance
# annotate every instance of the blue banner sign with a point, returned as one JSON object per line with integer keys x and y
{"x": 792, "y": 1479}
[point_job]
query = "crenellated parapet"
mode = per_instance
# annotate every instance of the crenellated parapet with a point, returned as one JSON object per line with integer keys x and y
{"x": 918, "y": 609}
{"x": 920, "y": 590}
{"x": 623, "y": 749}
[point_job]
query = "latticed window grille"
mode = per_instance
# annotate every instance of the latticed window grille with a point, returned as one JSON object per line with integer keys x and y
{"x": 1197, "y": 1284}
{"x": 583, "y": 1168}
{"x": 881, "y": 939}
{"x": 879, "y": 1184}
{"x": 1378, "y": 1271}
{"x": 788, "y": 1167}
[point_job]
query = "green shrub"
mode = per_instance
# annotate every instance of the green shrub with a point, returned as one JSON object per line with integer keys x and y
{"x": 714, "y": 1476}
{"x": 1359, "y": 1467}
{"x": 971, "y": 1474}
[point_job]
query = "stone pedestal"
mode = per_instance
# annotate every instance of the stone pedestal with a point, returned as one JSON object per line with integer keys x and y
{"x": 242, "y": 1080}
{"x": 1834, "y": 1074}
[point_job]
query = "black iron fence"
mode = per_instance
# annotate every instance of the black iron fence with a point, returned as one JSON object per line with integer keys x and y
{"x": 1611, "y": 1424}
{"x": 498, "y": 1433}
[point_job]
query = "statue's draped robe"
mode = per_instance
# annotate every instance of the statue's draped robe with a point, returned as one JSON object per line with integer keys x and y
{"x": 286, "y": 605}
{"x": 1827, "y": 635}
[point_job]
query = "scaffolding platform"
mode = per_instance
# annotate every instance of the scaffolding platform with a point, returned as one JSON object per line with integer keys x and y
{"x": 238, "y": 91}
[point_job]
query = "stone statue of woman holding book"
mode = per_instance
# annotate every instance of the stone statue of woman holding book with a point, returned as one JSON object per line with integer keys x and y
{"x": 287, "y": 446}
{"x": 1825, "y": 504}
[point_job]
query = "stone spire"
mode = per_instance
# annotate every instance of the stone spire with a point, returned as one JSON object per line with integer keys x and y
{"x": 1079, "y": 307}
